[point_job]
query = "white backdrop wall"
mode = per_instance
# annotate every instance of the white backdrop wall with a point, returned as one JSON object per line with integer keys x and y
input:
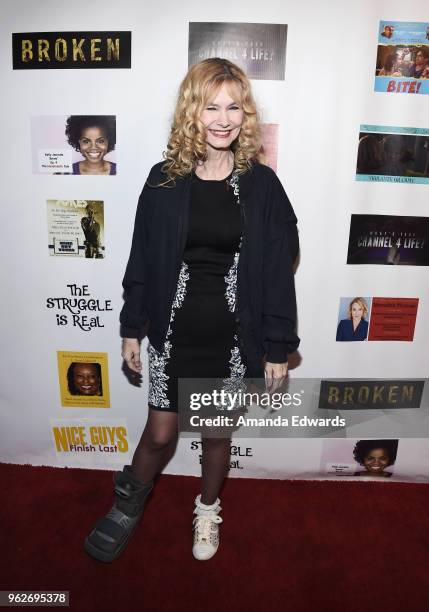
{"x": 328, "y": 92}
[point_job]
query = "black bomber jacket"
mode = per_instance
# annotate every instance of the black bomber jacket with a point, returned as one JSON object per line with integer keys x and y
{"x": 265, "y": 304}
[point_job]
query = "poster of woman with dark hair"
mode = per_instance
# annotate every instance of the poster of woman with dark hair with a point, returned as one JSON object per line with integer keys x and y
{"x": 84, "y": 379}
{"x": 375, "y": 456}
{"x": 93, "y": 137}
{"x": 76, "y": 145}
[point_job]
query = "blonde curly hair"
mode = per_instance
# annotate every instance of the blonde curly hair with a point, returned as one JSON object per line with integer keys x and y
{"x": 187, "y": 142}
{"x": 362, "y": 303}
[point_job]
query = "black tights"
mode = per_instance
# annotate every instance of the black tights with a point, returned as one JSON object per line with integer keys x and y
{"x": 158, "y": 443}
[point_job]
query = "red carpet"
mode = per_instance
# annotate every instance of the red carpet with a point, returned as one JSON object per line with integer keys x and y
{"x": 285, "y": 545}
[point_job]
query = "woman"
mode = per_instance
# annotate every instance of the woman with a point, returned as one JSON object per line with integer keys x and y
{"x": 93, "y": 137}
{"x": 355, "y": 327}
{"x": 84, "y": 379}
{"x": 389, "y": 67}
{"x": 210, "y": 269}
{"x": 387, "y": 32}
{"x": 375, "y": 456}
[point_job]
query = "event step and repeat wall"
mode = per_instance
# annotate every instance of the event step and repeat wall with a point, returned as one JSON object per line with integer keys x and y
{"x": 343, "y": 92}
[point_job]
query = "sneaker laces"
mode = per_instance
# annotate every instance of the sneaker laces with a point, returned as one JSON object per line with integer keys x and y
{"x": 203, "y": 525}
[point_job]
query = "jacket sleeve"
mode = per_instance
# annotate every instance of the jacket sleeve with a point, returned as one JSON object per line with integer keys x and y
{"x": 134, "y": 317}
{"x": 281, "y": 246}
{"x": 339, "y": 336}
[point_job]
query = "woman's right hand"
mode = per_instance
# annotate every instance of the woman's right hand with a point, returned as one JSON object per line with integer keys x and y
{"x": 131, "y": 354}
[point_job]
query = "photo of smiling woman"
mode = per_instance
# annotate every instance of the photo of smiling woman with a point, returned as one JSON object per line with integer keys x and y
{"x": 355, "y": 327}
{"x": 93, "y": 137}
{"x": 211, "y": 272}
{"x": 84, "y": 379}
{"x": 375, "y": 456}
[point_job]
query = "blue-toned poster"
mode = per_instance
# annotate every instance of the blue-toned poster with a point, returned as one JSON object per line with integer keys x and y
{"x": 391, "y": 154}
{"x": 402, "y": 57}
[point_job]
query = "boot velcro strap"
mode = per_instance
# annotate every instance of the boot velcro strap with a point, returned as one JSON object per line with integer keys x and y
{"x": 123, "y": 492}
{"x": 110, "y": 528}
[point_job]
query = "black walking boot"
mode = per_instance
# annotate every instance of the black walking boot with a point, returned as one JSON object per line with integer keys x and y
{"x": 111, "y": 533}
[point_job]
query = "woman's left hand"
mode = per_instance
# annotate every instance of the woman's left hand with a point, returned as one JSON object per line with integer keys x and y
{"x": 275, "y": 374}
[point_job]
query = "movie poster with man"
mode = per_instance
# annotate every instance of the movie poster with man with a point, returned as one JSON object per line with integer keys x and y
{"x": 80, "y": 145}
{"x": 392, "y": 154}
{"x": 389, "y": 240}
{"x": 76, "y": 228}
{"x": 258, "y": 48}
{"x": 402, "y": 64}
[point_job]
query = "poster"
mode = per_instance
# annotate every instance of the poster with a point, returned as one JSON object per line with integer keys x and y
{"x": 74, "y": 144}
{"x": 371, "y": 394}
{"x": 60, "y": 50}
{"x": 78, "y": 307}
{"x": 389, "y": 240}
{"x": 376, "y": 318}
{"x": 91, "y": 442}
{"x": 270, "y": 141}
{"x": 393, "y": 154}
{"x": 258, "y": 48}
{"x": 83, "y": 379}
{"x": 393, "y": 318}
{"x": 402, "y": 57}
{"x": 76, "y": 228}
{"x": 372, "y": 459}
{"x": 353, "y": 319}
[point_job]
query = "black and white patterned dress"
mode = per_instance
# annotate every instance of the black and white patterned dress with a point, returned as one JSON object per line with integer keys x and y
{"x": 202, "y": 337}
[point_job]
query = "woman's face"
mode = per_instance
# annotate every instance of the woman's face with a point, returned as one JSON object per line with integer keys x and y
{"x": 357, "y": 311}
{"x": 376, "y": 460}
{"x": 86, "y": 379}
{"x": 222, "y": 117}
{"x": 93, "y": 144}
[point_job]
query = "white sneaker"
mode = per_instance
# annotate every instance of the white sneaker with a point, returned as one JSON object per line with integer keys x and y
{"x": 206, "y": 530}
